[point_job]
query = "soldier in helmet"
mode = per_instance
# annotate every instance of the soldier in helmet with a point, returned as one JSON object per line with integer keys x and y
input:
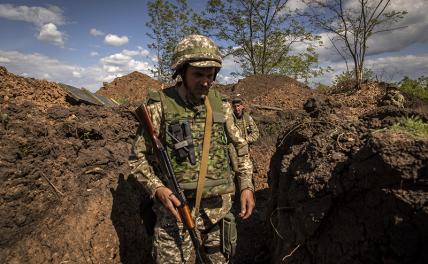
{"x": 178, "y": 111}
{"x": 247, "y": 128}
{"x": 244, "y": 121}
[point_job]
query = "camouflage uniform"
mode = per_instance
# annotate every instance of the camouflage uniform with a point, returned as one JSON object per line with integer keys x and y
{"x": 248, "y": 130}
{"x": 248, "y": 127}
{"x": 172, "y": 243}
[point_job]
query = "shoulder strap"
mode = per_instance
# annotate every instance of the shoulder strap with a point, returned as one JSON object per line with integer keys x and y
{"x": 205, "y": 155}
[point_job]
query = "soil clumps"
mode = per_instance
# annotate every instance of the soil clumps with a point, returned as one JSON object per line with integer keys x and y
{"x": 131, "y": 88}
{"x": 344, "y": 187}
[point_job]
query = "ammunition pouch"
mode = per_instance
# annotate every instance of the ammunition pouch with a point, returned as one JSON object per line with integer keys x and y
{"x": 229, "y": 235}
{"x": 182, "y": 135}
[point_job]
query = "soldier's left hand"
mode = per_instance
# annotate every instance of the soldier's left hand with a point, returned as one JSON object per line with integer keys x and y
{"x": 247, "y": 203}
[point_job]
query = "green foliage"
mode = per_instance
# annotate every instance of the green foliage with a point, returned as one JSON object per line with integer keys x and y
{"x": 169, "y": 22}
{"x": 262, "y": 36}
{"x": 302, "y": 66}
{"x": 418, "y": 87}
{"x": 322, "y": 87}
{"x": 349, "y": 76}
{"x": 411, "y": 125}
{"x": 123, "y": 100}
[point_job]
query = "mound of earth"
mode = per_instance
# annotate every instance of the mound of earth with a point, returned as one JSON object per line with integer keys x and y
{"x": 270, "y": 90}
{"x": 64, "y": 192}
{"x": 130, "y": 88}
{"x": 16, "y": 89}
{"x": 345, "y": 188}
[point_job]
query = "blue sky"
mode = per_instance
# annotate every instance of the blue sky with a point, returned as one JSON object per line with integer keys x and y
{"x": 84, "y": 43}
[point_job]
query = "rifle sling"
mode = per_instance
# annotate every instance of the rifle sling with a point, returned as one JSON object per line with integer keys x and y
{"x": 205, "y": 153}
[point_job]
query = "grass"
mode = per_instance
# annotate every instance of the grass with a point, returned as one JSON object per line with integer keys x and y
{"x": 412, "y": 125}
{"x": 122, "y": 101}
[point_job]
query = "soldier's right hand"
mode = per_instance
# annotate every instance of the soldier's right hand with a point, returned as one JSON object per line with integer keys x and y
{"x": 169, "y": 201}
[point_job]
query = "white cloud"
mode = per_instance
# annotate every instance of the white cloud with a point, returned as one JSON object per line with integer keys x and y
{"x": 227, "y": 79}
{"x": 415, "y": 31}
{"x": 295, "y": 4}
{"x": 39, "y": 66}
{"x": 94, "y": 54}
{"x": 143, "y": 52}
{"x": 77, "y": 74}
{"x": 130, "y": 52}
{"x": 4, "y": 60}
{"x": 115, "y": 40}
{"x": 391, "y": 68}
{"x": 42, "y": 67}
{"x": 95, "y": 32}
{"x": 36, "y": 15}
{"x": 116, "y": 59}
{"x": 46, "y": 20}
{"x": 50, "y": 33}
{"x": 125, "y": 62}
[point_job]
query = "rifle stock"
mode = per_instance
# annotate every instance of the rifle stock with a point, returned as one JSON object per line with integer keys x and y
{"x": 163, "y": 158}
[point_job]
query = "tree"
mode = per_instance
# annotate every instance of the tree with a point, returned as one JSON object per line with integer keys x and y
{"x": 169, "y": 22}
{"x": 260, "y": 35}
{"x": 353, "y": 23}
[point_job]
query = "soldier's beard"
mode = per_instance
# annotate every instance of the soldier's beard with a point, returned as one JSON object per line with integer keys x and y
{"x": 197, "y": 95}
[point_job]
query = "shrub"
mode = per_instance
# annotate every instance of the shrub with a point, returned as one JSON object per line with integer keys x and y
{"x": 411, "y": 125}
{"x": 418, "y": 87}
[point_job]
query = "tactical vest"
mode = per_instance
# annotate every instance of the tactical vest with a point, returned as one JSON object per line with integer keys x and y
{"x": 219, "y": 178}
{"x": 242, "y": 124}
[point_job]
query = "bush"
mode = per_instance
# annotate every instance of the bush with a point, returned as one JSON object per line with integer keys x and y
{"x": 322, "y": 87}
{"x": 349, "y": 76}
{"x": 418, "y": 87}
{"x": 411, "y": 125}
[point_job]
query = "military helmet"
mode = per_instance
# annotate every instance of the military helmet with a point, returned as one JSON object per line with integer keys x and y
{"x": 198, "y": 51}
{"x": 236, "y": 100}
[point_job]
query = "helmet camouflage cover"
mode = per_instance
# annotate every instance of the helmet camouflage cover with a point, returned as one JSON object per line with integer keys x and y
{"x": 198, "y": 51}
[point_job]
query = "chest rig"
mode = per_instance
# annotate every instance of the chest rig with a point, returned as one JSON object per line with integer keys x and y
{"x": 182, "y": 130}
{"x": 242, "y": 124}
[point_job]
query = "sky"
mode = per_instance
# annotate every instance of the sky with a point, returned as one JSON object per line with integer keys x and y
{"x": 86, "y": 43}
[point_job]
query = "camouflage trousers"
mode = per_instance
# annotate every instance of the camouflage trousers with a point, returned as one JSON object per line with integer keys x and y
{"x": 172, "y": 243}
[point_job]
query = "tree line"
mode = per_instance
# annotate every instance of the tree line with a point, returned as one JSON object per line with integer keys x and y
{"x": 267, "y": 36}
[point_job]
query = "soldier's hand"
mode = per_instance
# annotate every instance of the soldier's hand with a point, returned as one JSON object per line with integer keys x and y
{"x": 247, "y": 204}
{"x": 169, "y": 201}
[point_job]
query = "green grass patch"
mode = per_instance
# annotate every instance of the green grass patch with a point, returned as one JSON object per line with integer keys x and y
{"x": 411, "y": 125}
{"x": 122, "y": 101}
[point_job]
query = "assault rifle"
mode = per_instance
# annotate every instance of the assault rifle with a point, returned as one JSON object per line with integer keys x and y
{"x": 166, "y": 167}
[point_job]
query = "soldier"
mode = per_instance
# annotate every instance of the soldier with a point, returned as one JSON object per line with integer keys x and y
{"x": 244, "y": 121}
{"x": 197, "y": 60}
{"x": 247, "y": 128}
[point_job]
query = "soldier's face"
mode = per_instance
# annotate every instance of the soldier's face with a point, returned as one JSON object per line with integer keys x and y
{"x": 198, "y": 81}
{"x": 238, "y": 109}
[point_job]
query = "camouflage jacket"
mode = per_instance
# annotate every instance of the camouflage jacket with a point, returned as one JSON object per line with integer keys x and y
{"x": 140, "y": 160}
{"x": 247, "y": 127}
